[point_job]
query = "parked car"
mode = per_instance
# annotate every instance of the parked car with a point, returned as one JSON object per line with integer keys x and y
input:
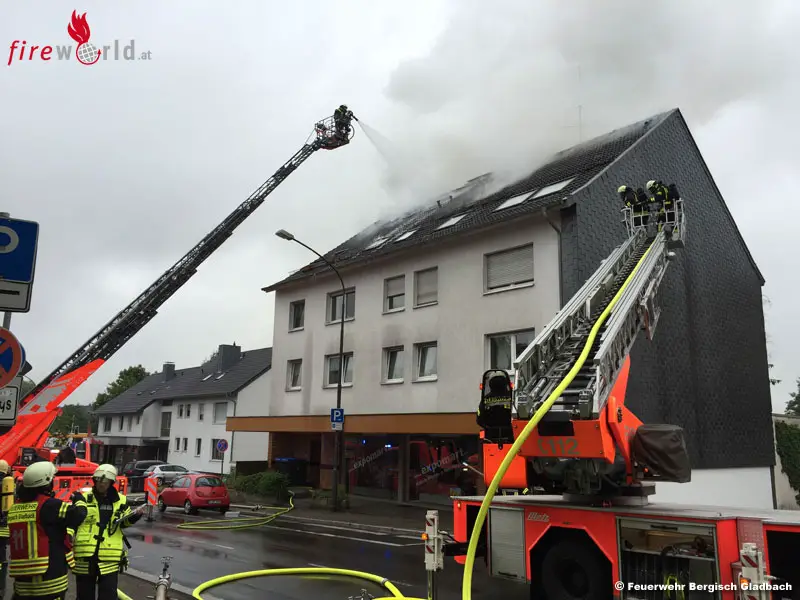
{"x": 165, "y": 473}
{"x": 134, "y": 471}
{"x": 193, "y": 491}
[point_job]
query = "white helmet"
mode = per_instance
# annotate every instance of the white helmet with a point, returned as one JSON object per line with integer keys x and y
{"x": 4, "y": 468}
{"x": 651, "y": 185}
{"x": 39, "y": 474}
{"x": 106, "y": 472}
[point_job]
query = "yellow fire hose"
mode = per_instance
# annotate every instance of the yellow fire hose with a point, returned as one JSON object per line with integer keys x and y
{"x": 466, "y": 588}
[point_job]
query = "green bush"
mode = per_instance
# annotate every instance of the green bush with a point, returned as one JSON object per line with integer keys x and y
{"x": 268, "y": 484}
{"x": 787, "y": 443}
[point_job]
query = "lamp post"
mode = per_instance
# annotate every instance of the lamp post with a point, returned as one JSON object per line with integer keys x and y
{"x": 339, "y": 444}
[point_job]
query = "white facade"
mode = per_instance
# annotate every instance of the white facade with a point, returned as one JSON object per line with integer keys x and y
{"x": 197, "y": 426}
{"x": 785, "y": 495}
{"x": 117, "y": 429}
{"x": 458, "y": 321}
{"x": 737, "y": 488}
{"x": 252, "y": 401}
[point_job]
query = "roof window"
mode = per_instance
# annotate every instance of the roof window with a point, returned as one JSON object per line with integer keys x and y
{"x": 513, "y": 201}
{"x": 207, "y": 377}
{"x": 220, "y": 376}
{"x": 378, "y": 242}
{"x": 451, "y": 221}
{"x": 406, "y": 235}
{"x": 553, "y": 188}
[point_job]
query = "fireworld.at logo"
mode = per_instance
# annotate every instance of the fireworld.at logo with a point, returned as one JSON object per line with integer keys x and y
{"x": 86, "y": 52}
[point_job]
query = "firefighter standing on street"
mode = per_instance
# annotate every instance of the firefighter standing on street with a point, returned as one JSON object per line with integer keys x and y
{"x": 100, "y": 544}
{"x": 41, "y": 528}
{"x": 6, "y": 501}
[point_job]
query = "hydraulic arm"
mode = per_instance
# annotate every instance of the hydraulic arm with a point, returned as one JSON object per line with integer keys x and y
{"x": 585, "y": 443}
{"x": 37, "y": 410}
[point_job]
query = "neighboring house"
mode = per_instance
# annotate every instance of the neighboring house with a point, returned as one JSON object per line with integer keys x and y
{"x": 785, "y": 494}
{"x": 180, "y": 415}
{"x": 440, "y": 294}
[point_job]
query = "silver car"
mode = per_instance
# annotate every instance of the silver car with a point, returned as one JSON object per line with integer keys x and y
{"x": 165, "y": 474}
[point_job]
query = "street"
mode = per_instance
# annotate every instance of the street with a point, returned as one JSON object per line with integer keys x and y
{"x": 198, "y": 556}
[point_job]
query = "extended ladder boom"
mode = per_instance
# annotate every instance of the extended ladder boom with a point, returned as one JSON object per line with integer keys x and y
{"x": 327, "y": 135}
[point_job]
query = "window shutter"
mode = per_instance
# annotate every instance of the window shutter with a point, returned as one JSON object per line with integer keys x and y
{"x": 427, "y": 286}
{"x": 395, "y": 286}
{"x": 510, "y": 267}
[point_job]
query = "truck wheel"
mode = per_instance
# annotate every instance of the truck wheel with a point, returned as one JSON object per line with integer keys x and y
{"x": 575, "y": 570}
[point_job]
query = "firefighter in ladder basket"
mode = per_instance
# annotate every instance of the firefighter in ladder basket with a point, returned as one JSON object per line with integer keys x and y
{"x": 638, "y": 202}
{"x": 342, "y": 118}
{"x": 494, "y": 410}
{"x": 41, "y": 528}
{"x": 665, "y": 198}
{"x": 100, "y": 542}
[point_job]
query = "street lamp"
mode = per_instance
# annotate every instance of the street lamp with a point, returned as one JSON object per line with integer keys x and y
{"x": 339, "y": 444}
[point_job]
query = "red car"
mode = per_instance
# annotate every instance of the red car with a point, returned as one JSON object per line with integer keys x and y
{"x": 194, "y": 491}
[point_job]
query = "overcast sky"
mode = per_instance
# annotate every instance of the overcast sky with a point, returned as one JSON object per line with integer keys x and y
{"x": 127, "y": 164}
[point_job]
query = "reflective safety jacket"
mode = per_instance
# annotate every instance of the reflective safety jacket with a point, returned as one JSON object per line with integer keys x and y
{"x": 40, "y": 555}
{"x": 100, "y": 541}
{"x": 4, "y": 532}
{"x": 662, "y": 196}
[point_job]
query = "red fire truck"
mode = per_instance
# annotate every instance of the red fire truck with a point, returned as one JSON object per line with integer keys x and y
{"x": 560, "y": 428}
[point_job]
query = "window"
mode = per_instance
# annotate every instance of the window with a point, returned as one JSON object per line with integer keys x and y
{"x": 426, "y": 287}
{"x": 552, "y": 189}
{"x": 394, "y": 292}
{"x": 519, "y": 199}
{"x": 198, "y": 446}
{"x": 335, "y": 306}
{"x": 215, "y": 454}
{"x": 333, "y": 372}
{"x": 166, "y": 423}
{"x": 138, "y": 419}
{"x": 188, "y": 410}
{"x": 425, "y": 368}
{"x": 393, "y": 365}
{"x": 294, "y": 374}
{"x": 180, "y": 411}
{"x": 208, "y": 482}
{"x": 297, "y": 315}
{"x": 378, "y": 242}
{"x": 451, "y": 221}
{"x": 185, "y": 444}
{"x": 107, "y": 424}
{"x": 509, "y": 268}
{"x": 166, "y": 403}
{"x": 200, "y": 411}
{"x": 220, "y": 412}
{"x": 504, "y": 349}
{"x": 177, "y": 444}
{"x": 121, "y": 423}
{"x": 130, "y": 423}
{"x": 406, "y": 235}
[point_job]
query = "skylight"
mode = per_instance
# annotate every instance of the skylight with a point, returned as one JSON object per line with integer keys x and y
{"x": 451, "y": 221}
{"x": 553, "y": 188}
{"x": 376, "y": 243}
{"x": 514, "y": 201}
{"x": 406, "y": 235}
{"x": 220, "y": 376}
{"x": 207, "y": 377}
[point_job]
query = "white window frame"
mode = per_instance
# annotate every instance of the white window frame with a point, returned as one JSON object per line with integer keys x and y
{"x": 108, "y": 423}
{"x": 513, "y": 351}
{"x": 121, "y": 424}
{"x": 420, "y": 351}
{"x": 185, "y": 444}
{"x": 129, "y": 423}
{"x": 292, "y": 311}
{"x": 451, "y": 221}
{"x": 216, "y": 455}
{"x": 519, "y": 280}
{"x": 177, "y": 444}
{"x": 553, "y": 188}
{"x": 201, "y": 411}
{"x": 514, "y": 201}
{"x": 406, "y": 235}
{"x": 198, "y": 446}
{"x": 350, "y": 293}
{"x": 417, "y": 303}
{"x": 291, "y": 366}
{"x": 188, "y": 411}
{"x": 180, "y": 411}
{"x": 214, "y": 416}
{"x": 386, "y": 297}
{"x": 349, "y": 366}
{"x": 387, "y": 354}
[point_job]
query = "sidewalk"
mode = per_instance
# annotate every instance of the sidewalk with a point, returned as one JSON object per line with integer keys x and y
{"x": 136, "y": 587}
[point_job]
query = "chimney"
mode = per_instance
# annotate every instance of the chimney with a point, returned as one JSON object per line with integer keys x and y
{"x": 227, "y": 356}
{"x": 169, "y": 370}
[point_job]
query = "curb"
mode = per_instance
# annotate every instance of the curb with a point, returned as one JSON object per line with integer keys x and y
{"x": 173, "y": 586}
{"x": 349, "y": 524}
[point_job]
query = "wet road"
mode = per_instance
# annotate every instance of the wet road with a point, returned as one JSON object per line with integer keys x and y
{"x": 198, "y": 556}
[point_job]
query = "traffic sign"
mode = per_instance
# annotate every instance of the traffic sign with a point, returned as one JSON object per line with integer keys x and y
{"x": 9, "y": 403}
{"x": 222, "y": 445}
{"x": 15, "y": 297}
{"x": 18, "y": 242}
{"x": 12, "y": 357}
{"x": 337, "y": 419}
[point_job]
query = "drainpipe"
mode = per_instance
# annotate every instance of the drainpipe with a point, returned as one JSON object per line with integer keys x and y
{"x": 233, "y": 435}
{"x": 560, "y": 263}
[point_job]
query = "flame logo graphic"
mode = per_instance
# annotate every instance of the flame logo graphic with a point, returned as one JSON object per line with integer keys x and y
{"x": 78, "y": 30}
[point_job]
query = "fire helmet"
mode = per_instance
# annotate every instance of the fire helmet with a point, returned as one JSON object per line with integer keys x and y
{"x": 39, "y": 474}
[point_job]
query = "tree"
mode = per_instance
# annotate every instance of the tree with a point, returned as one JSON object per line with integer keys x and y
{"x": 127, "y": 378}
{"x": 772, "y": 380}
{"x": 793, "y": 406}
{"x": 72, "y": 416}
{"x": 27, "y": 386}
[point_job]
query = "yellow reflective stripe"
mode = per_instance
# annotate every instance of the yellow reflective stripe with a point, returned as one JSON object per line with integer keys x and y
{"x": 62, "y": 510}
{"x": 70, "y": 531}
{"x": 41, "y": 587}
{"x": 106, "y": 567}
{"x": 33, "y": 540}
{"x": 5, "y": 532}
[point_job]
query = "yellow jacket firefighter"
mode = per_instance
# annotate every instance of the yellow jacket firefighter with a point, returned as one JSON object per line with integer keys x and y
{"x": 100, "y": 542}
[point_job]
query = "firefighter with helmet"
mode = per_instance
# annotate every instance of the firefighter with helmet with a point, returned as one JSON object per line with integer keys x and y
{"x": 41, "y": 528}
{"x": 665, "y": 198}
{"x": 638, "y": 202}
{"x": 100, "y": 544}
{"x": 342, "y": 117}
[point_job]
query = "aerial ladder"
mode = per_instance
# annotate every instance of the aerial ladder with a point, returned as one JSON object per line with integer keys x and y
{"x": 23, "y": 443}
{"x": 589, "y": 444}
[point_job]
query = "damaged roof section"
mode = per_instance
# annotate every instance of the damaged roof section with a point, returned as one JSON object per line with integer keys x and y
{"x": 460, "y": 211}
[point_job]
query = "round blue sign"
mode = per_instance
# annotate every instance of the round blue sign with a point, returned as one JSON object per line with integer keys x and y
{"x": 222, "y": 445}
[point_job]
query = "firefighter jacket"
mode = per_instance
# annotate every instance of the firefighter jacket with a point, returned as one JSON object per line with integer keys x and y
{"x": 4, "y": 532}
{"x": 100, "y": 541}
{"x": 663, "y": 197}
{"x": 40, "y": 555}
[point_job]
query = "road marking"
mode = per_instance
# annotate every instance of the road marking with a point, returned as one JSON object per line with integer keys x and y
{"x": 333, "y": 535}
{"x": 348, "y": 529}
{"x": 191, "y": 540}
{"x": 226, "y": 547}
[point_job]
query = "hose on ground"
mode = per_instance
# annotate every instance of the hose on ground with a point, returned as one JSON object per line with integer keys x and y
{"x": 466, "y": 588}
{"x": 240, "y": 522}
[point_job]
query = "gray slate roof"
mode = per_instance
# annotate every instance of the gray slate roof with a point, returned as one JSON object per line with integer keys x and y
{"x": 189, "y": 383}
{"x": 580, "y": 163}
